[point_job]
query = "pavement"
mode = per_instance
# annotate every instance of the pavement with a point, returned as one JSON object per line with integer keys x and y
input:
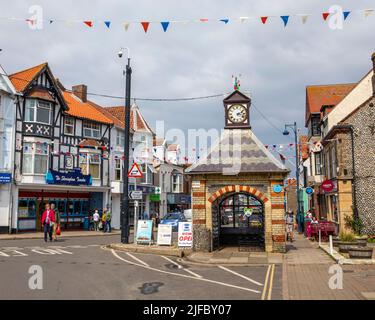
{"x": 64, "y": 234}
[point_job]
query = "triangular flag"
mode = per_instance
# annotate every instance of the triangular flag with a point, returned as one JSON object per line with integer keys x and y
{"x": 203, "y": 20}
{"x": 107, "y": 23}
{"x": 145, "y": 26}
{"x": 304, "y": 18}
{"x": 88, "y": 23}
{"x": 325, "y": 15}
{"x": 224, "y": 20}
{"x": 285, "y": 20}
{"x": 126, "y": 26}
{"x": 243, "y": 19}
{"x": 51, "y": 21}
{"x": 368, "y": 12}
{"x": 346, "y": 14}
{"x": 264, "y": 19}
{"x": 165, "y": 25}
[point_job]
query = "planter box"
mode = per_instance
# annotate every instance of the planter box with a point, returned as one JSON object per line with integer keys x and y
{"x": 360, "y": 252}
{"x": 344, "y": 246}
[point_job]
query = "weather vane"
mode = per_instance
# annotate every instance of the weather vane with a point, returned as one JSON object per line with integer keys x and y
{"x": 237, "y": 83}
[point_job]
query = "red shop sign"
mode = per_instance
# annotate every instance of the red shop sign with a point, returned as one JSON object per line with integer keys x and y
{"x": 328, "y": 185}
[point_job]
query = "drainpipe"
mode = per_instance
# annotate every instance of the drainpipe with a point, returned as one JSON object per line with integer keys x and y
{"x": 354, "y": 190}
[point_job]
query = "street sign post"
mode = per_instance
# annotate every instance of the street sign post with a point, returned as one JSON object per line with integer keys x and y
{"x": 136, "y": 195}
{"x": 135, "y": 172}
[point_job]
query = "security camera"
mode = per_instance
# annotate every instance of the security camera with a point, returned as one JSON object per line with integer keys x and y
{"x": 120, "y": 53}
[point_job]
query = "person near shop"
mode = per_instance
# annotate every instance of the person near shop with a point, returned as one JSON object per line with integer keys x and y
{"x": 48, "y": 217}
{"x": 96, "y": 218}
{"x": 108, "y": 227}
{"x": 289, "y": 223}
{"x": 56, "y": 224}
{"x": 308, "y": 219}
{"x": 104, "y": 220}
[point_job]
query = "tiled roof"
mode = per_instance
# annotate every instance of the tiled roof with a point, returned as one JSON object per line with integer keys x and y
{"x": 321, "y": 95}
{"x": 105, "y": 112}
{"x": 237, "y": 151}
{"x": 119, "y": 114}
{"x": 89, "y": 143}
{"x": 41, "y": 94}
{"x": 21, "y": 79}
{"x": 83, "y": 110}
{"x": 159, "y": 142}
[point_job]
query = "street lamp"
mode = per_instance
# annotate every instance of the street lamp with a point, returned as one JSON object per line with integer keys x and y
{"x": 125, "y": 192}
{"x": 286, "y": 133}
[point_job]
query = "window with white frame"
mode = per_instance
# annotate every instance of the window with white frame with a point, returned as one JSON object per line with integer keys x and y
{"x": 176, "y": 182}
{"x": 147, "y": 173}
{"x": 38, "y": 111}
{"x": 120, "y": 139}
{"x": 91, "y": 130}
{"x": 118, "y": 169}
{"x": 35, "y": 158}
{"x": 90, "y": 164}
{"x": 69, "y": 126}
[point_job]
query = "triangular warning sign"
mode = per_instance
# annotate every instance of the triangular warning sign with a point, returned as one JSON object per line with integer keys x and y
{"x": 135, "y": 172}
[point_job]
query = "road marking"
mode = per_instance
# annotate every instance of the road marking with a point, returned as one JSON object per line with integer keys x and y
{"x": 240, "y": 275}
{"x": 271, "y": 282}
{"x": 3, "y": 254}
{"x": 77, "y": 247}
{"x": 181, "y": 267}
{"x": 139, "y": 260}
{"x": 183, "y": 275}
{"x": 266, "y": 282}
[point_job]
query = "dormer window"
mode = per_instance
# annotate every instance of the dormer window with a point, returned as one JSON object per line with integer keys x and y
{"x": 38, "y": 111}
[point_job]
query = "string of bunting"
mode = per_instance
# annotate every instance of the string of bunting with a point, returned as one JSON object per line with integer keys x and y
{"x": 165, "y": 25}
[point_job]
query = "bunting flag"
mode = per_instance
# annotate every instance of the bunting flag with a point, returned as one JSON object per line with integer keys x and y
{"x": 368, "y": 12}
{"x": 264, "y": 19}
{"x": 165, "y": 25}
{"x": 285, "y": 20}
{"x": 126, "y": 26}
{"x": 107, "y": 23}
{"x": 305, "y": 17}
{"x": 325, "y": 16}
{"x": 224, "y": 20}
{"x": 203, "y": 20}
{"x": 145, "y": 26}
{"x": 346, "y": 14}
{"x": 88, "y": 23}
{"x": 51, "y": 21}
{"x": 243, "y": 19}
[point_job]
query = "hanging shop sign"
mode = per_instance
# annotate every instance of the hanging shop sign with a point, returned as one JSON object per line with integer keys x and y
{"x": 5, "y": 178}
{"x": 185, "y": 234}
{"x": 309, "y": 190}
{"x": 72, "y": 178}
{"x": 165, "y": 234}
{"x": 328, "y": 185}
{"x": 155, "y": 197}
{"x": 144, "y": 231}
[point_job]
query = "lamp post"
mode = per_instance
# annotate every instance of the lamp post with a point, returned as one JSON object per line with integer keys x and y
{"x": 286, "y": 133}
{"x": 125, "y": 214}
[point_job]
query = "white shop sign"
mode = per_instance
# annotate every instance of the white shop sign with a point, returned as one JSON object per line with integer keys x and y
{"x": 185, "y": 234}
{"x": 164, "y": 234}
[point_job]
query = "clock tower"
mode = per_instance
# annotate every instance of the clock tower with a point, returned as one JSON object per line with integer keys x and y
{"x": 237, "y": 111}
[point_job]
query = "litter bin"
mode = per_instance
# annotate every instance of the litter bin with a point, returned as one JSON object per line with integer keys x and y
{"x": 86, "y": 223}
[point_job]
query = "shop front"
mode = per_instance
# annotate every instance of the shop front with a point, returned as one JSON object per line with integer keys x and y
{"x": 178, "y": 202}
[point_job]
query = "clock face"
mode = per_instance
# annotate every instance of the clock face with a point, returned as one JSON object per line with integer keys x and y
{"x": 237, "y": 113}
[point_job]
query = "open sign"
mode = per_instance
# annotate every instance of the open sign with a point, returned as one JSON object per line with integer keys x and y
{"x": 185, "y": 234}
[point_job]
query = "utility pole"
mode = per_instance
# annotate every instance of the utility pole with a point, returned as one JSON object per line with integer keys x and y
{"x": 125, "y": 214}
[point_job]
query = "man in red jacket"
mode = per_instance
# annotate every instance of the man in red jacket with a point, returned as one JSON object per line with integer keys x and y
{"x": 47, "y": 218}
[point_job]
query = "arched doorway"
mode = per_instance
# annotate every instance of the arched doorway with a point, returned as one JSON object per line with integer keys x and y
{"x": 239, "y": 221}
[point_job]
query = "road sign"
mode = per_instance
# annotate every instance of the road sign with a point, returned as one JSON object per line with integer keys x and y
{"x": 136, "y": 195}
{"x": 309, "y": 190}
{"x": 135, "y": 172}
{"x": 328, "y": 185}
{"x": 277, "y": 188}
{"x": 157, "y": 190}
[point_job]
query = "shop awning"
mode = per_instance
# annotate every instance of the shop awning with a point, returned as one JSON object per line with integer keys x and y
{"x": 34, "y": 186}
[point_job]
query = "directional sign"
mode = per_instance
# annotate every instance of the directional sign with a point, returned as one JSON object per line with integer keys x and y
{"x": 135, "y": 172}
{"x": 136, "y": 195}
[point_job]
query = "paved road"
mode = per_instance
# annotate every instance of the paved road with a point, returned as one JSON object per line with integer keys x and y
{"x": 80, "y": 268}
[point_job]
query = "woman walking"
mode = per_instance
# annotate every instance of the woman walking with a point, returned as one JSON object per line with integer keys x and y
{"x": 56, "y": 224}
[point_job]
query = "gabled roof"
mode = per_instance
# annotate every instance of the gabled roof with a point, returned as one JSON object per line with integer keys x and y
{"x": 84, "y": 110}
{"x": 135, "y": 114}
{"x": 106, "y": 113}
{"x": 23, "y": 78}
{"x": 236, "y": 97}
{"x": 158, "y": 142}
{"x": 237, "y": 151}
{"x": 325, "y": 95}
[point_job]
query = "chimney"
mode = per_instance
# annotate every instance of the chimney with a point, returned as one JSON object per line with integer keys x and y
{"x": 373, "y": 76}
{"x": 80, "y": 91}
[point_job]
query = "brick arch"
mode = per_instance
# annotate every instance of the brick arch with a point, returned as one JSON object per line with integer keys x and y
{"x": 237, "y": 188}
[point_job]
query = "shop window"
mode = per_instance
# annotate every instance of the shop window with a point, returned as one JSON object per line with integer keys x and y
{"x": 91, "y": 130}
{"x": 38, "y": 111}
{"x": 69, "y": 126}
{"x": 35, "y": 158}
{"x": 118, "y": 169}
{"x": 90, "y": 164}
{"x": 318, "y": 163}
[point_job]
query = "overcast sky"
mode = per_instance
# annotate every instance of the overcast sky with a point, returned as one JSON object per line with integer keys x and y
{"x": 195, "y": 59}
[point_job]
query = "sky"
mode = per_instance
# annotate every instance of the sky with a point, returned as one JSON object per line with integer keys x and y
{"x": 195, "y": 59}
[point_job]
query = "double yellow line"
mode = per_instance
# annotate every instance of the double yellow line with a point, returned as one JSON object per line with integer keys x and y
{"x": 268, "y": 284}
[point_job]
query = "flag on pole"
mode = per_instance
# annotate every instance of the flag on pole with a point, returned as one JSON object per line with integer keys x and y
{"x": 285, "y": 20}
{"x": 224, "y": 20}
{"x": 145, "y": 26}
{"x": 264, "y": 19}
{"x": 88, "y": 23}
{"x": 165, "y": 25}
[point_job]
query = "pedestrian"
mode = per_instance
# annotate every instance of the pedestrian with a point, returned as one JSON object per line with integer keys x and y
{"x": 48, "y": 217}
{"x": 289, "y": 223}
{"x": 308, "y": 219}
{"x": 56, "y": 224}
{"x": 96, "y": 218}
{"x": 108, "y": 220}
{"x": 104, "y": 221}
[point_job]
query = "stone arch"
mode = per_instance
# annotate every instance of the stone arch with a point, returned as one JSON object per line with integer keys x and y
{"x": 237, "y": 188}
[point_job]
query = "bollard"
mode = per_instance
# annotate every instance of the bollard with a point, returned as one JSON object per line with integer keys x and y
{"x": 330, "y": 245}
